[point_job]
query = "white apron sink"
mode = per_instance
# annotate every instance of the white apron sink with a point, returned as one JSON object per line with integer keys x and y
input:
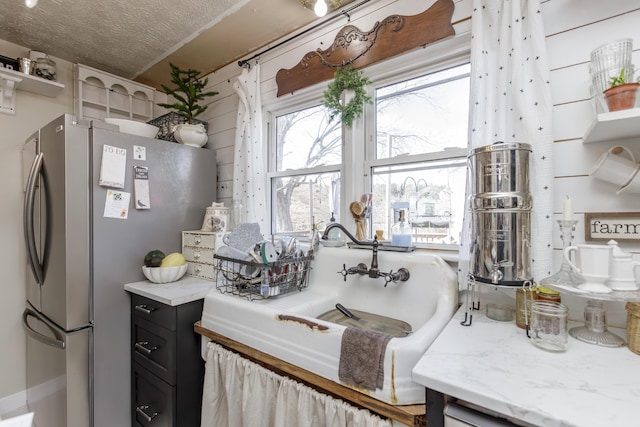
{"x": 287, "y": 327}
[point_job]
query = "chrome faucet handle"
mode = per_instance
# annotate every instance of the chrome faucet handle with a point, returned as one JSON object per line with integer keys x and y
{"x": 344, "y": 272}
{"x": 359, "y": 269}
{"x": 402, "y": 275}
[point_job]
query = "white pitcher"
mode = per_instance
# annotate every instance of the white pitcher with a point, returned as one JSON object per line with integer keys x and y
{"x": 593, "y": 263}
{"x": 622, "y": 268}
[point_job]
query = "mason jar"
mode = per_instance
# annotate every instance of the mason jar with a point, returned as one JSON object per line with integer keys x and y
{"x": 548, "y": 328}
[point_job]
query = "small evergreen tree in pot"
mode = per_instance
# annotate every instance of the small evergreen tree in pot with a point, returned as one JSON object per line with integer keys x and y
{"x": 188, "y": 92}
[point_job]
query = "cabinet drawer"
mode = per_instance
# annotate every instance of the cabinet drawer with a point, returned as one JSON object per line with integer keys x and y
{"x": 153, "y": 400}
{"x": 198, "y": 254}
{"x": 204, "y": 271}
{"x": 154, "y": 348}
{"x": 153, "y": 311}
{"x": 205, "y": 239}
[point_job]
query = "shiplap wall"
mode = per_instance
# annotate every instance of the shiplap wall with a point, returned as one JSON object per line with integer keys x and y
{"x": 573, "y": 28}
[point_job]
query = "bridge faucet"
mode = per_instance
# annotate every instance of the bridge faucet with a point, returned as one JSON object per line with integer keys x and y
{"x": 345, "y": 231}
{"x": 374, "y": 272}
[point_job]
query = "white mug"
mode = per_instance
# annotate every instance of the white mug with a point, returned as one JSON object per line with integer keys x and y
{"x": 613, "y": 168}
{"x": 592, "y": 262}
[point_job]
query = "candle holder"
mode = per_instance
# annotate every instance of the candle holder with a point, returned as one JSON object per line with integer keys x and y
{"x": 566, "y": 275}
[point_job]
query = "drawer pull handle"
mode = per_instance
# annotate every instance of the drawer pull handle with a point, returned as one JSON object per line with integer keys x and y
{"x": 145, "y": 308}
{"x": 142, "y": 347}
{"x": 197, "y": 255}
{"x": 141, "y": 410}
{"x": 198, "y": 269}
{"x": 198, "y": 240}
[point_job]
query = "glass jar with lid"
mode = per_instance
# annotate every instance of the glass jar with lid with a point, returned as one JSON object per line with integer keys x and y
{"x": 45, "y": 68}
{"x": 547, "y": 294}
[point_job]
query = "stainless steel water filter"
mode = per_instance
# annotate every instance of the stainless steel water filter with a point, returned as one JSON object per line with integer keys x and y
{"x": 501, "y": 206}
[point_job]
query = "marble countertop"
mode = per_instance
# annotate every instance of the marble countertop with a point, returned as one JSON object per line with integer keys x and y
{"x": 492, "y": 364}
{"x": 185, "y": 290}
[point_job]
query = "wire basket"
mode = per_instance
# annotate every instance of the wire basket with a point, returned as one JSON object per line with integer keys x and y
{"x": 255, "y": 280}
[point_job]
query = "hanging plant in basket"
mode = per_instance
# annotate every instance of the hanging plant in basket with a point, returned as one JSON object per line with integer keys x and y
{"x": 351, "y": 79}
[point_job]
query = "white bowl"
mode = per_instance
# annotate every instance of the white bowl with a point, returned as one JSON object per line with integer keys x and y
{"x": 135, "y": 128}
{"x": 164, "y": 274}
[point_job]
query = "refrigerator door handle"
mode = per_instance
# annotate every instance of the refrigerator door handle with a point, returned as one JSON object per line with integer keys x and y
{"x": 57, "y": 342}
{"x": 29, "y": 233}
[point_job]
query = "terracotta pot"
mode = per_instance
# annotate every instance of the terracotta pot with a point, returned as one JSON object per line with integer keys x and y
{"x": 621, "y": 97}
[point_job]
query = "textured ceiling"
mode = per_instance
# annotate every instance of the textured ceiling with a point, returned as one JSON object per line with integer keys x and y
{"x": 137, "y": 39}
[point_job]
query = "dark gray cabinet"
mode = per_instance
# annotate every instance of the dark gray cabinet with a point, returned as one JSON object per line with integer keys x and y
{"x": 166, "y": 368}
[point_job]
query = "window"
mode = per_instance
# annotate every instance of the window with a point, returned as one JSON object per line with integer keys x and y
{"x": 420, "y": 155}
{"x": 415, "y": 155}
{"x": 305, "y": 183}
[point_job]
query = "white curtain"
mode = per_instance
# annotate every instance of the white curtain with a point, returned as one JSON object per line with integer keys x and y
{"x": 511, "y": 102}
{"x": 240, "y": 393}
{"x": 249, "y": 177}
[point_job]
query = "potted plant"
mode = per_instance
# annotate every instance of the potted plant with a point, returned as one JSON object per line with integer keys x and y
{"x": 189, "y": 91}
{"x": 621, "y": 94}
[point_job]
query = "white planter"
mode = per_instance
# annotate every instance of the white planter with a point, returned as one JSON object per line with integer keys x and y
{"x": 193, "y": 135}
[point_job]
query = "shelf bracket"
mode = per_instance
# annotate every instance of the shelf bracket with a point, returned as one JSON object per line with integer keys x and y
{"x": 7, "y": 93}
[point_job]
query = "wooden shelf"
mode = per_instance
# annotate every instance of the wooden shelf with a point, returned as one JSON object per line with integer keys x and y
{"x": 34, "y": 84}
{"x": 623, "y": 124}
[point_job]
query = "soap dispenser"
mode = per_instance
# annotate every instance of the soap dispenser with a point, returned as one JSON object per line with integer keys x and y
{"x": 621, "y": 269}
{"x": 401, "y": 230}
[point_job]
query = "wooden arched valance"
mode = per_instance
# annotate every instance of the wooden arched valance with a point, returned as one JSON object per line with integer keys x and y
{"x": 394, "y": 35}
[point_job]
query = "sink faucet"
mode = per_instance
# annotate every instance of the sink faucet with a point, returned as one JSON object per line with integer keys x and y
{"x": 345, "y": 231}
{"x": 374, "y": 272}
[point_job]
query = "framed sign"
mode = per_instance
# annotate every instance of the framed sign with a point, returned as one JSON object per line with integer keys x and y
{"x": 612, "y": 225}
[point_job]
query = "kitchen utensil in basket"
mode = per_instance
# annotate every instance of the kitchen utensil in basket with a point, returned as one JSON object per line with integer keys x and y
{"x": 633, "y": 326}
{"x": 257, "y": 280}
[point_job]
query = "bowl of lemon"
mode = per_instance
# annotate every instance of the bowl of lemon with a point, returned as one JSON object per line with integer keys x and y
{"x": 161, "y": 268}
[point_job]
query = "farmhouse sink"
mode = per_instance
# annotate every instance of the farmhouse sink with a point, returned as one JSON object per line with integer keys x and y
{"x": 288, "y": 326}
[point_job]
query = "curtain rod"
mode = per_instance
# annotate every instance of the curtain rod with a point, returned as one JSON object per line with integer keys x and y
{"x": 245, "y": 62}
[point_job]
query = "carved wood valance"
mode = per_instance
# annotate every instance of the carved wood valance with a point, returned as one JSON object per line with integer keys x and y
{"x": 392, "y": 36}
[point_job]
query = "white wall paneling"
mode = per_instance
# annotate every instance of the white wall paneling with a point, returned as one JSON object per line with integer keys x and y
{"x": 566, "y": 15}
{"x": 571, "y": 120}
{"x": 575, "y": 46}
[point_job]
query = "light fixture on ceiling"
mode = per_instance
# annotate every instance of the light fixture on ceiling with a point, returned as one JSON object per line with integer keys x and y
{"x": 321, "y": 7}
{"x": 31, "y": 3}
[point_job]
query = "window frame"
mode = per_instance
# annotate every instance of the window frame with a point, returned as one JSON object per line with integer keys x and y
{"x": 357, "y": 179}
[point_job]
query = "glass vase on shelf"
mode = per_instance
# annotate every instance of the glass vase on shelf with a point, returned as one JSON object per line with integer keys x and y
{"x": 565, "y": 275}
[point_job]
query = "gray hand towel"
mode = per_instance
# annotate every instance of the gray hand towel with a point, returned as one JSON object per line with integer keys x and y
{"x": 362, "y": 358}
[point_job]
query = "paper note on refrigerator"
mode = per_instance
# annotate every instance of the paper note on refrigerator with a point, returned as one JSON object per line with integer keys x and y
{"x": 141, "y": 187}
{"x": 112, "y": 168}
{"x": 117, "y": 204}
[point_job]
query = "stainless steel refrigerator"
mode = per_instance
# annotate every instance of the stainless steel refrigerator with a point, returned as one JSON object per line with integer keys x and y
{"x": 80, "y": 256}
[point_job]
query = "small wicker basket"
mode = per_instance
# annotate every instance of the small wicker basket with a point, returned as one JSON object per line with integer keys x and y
{"x": 633, "y": 326}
